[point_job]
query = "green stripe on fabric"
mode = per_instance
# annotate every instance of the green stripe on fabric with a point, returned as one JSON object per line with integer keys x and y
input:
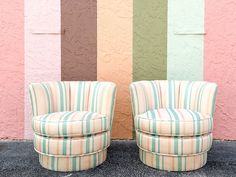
{"x": 94, "y": 160}
{"x": 163, "y": 162}
{"x": 135, "y": 112}
{"x": 154, "y": 89}
{"x": 64, "y": 124}
{"x": 36, "y": 105}
{"x": 44, "y": 145}
{"x": 88, "y": 122}
{"x": 214, "y": 101}
{"x": 177, "y": 126}
{"x": 48, "y": 98}
{"x": 194, "y": 121}
{"x": 88, "y": 144}
{"x": 200, "y": 97}
{"x": 53, "y": 163}
{"x": 64, "y": 146}
{"x": 61, "y": 96}
{"x": 150, "y": 40}
{"x": 62, "y": 116}
{"x": 186, "y": 98}
{"x": 179, "y": 163}
{"x": 43, "y": 123}
{"x": 74, "y": 164}
{"x": 104, "y": 140}
{"x": 84, "y": 119}
{"x": 170, "y": 120}
{"x": 198, "y": 122}
{"x": 112, "y": 107}
{"x": 95, "y": 90}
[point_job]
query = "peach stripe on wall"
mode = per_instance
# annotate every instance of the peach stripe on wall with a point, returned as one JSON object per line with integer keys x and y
{"x": 11, "y": 69}
{"x": 42, "y": 48}
{"x": 114, "y": 57}
{"x": 220, "y": 54}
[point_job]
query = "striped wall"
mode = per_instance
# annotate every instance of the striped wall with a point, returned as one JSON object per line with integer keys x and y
{"x": 120, "y": 41}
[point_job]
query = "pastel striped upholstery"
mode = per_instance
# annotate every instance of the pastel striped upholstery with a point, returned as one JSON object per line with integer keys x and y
{"x": 49, "y": 97}
{"x": 72, "y": 163}
{"x": 173, "y": 122}
{"x": 79, "y": 95}
{"x": 72, "y": 123}
{"x": 102, "y": 99}
{"x": 198, "y": 96}
{"x": 173, "y": 163}
{"x": 174, "y": 145}
{"x": 71, "y": 146}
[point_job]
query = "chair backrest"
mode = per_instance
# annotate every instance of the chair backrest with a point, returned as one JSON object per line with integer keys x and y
{"x": 48, "y": 97}
{"x": 194, "y": 95}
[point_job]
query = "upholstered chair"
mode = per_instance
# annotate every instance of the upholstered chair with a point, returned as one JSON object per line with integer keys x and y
{"x": 173, "y": 122}
{"x": 72, "y": 123}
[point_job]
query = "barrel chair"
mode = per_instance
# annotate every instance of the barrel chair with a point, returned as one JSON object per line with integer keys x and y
{"x": 72, "y": 123}
{"x": 173, "y": 122}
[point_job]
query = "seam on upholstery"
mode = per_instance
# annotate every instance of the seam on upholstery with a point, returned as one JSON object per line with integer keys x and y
{"x": 168, "y": 155}
{"x": 69, "y": 156}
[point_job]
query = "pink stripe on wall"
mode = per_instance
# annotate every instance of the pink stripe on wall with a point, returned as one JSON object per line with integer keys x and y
{"x": 11, "y": 69}
{"x": 42, "y": 48}
{"x": 220, "y": 63}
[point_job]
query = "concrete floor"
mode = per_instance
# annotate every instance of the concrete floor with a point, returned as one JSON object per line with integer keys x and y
{"x": 19, "y": 159}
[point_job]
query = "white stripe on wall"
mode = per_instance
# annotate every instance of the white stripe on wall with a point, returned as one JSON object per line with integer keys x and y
{"x": 185, "y": 46}
{"x": 42, "y": 48}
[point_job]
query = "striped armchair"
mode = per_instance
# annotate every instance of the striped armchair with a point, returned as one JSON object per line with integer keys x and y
{"x": 173, "y": 122}
{"x": 72, "y": 123}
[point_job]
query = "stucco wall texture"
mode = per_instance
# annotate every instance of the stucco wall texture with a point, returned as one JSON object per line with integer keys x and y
{"x": 42, "y": 48}
{"x": 11, "y": 69}
{"x": 220, "y": 63}
{"x": 114, "y": 61}
{"x": 79, "y": 40}
{"x": 149, "y": 39}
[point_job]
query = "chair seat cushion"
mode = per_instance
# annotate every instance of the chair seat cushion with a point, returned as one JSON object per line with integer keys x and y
{"x": 72, "y": 146}
{"x": 173, "y": 145}
{"x": 70, "y": 124}
{"x": 174, "y": 122}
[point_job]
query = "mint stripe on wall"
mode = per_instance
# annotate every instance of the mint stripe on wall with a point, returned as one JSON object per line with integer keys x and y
{"x": 79, "y": 40}
{"x": 185, "y": 39}
{"x": 149, "y": 39}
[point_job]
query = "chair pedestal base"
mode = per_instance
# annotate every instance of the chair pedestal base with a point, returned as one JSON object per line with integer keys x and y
{"x": 173, "y": 163}
{"x": 72, "y": 163}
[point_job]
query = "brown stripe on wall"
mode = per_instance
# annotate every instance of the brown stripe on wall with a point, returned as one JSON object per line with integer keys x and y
{"x": 79, "y": 40}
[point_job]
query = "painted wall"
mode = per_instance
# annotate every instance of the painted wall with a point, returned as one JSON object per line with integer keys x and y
{"x": 120, "y": 41}
{"x": 42, "y": 48}
{"x": 11, "y": 69}
{"x": 220, "y": 63}
{"x": 79, "y": 40}
{"x": 114, "y": 41}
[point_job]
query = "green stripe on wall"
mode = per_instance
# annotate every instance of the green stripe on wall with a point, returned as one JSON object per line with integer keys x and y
{"x": 150, "y": 39}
